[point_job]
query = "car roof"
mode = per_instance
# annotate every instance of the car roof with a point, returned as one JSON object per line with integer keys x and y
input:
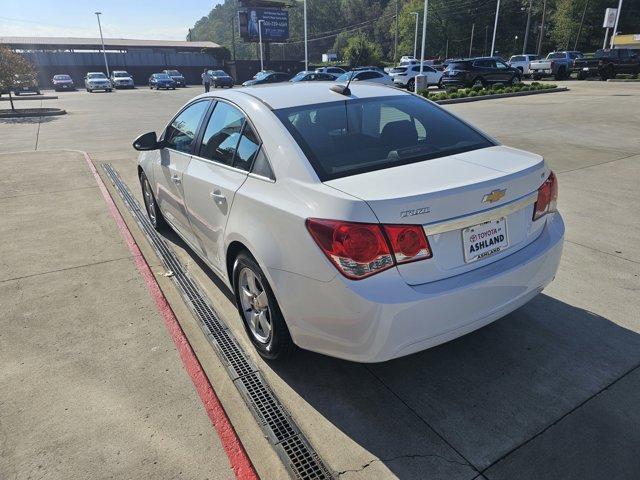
{"x": 285, "y": 95}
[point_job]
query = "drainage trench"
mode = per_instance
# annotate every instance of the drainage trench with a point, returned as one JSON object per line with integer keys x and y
{"x": 281, "y": 430}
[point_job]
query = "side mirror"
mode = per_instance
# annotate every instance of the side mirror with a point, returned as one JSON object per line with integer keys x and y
{"x": 148, "y": 141}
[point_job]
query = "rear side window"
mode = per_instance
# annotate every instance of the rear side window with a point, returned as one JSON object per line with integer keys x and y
{"x": 458, "y": 66}
{"x": 247, "y": 148}
{"x": 360, "y": 135}
{"x": 222, "y": 134}
{"x": 182, "y": 131}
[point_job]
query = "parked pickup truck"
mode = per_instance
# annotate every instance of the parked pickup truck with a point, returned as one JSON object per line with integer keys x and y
{"x": 608, "y": 63}
{"x": 557, "y": 64}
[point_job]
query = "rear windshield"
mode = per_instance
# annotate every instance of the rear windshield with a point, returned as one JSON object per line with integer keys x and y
{"x": 175, "y": 73}
{"x": 360, "y": 135}
{"x": 556, "y": 55}
{"x": 518, "y": 58}
{"x": 606, "y": 54}
{"x": 61, "y": 77}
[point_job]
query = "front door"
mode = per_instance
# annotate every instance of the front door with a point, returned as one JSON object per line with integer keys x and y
{"x": 179, "y": 138}
{"x": 215, "y": 174}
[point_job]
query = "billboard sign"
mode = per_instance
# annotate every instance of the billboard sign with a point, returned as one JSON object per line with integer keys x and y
{"x": 273, "y": 21}
{"x": 610, "y": 18}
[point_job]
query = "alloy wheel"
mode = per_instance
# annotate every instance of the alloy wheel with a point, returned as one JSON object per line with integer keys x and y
{"x": 149, "y": 202}
{"x": 255, "y": 306}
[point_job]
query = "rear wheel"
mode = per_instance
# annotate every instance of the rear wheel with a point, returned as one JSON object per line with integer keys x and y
{"x": 153, "y": 212}
{"x": 478, "y": 82}
{"x": 514, "y": 80}
{"x": 259, "y": 310}
{"x": 411, "y": 84}
{"x": 582, "y": 75}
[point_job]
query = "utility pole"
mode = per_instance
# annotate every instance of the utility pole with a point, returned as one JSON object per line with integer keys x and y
{"x": 526, "y": 30}
{"x": 395, "y": 43}
{"x": 586, "y": 4}
{"x": 415, "y": 40}
{"x": 615, "y": 26}
{"x": 424, "y": 38}
{"x": 260, "y": 40}
{"x": 486, "y": 34}
{"x": 473, "y": 26}
{"x": 102, "y": 40}
{"x": 446, "y": 49}
{"x": 233, "y": 38}
{"x": 306, "y": 51}
{"x": 544, "y": 13}
{"x": 495, "y": 29}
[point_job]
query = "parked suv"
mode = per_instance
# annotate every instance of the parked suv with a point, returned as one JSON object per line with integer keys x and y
{"x": 557, "y": 64}
{"x": 405, "y": 76}
{"x": 522, "y": 62}
{"x": 608, "y": 63}
{"x": 335, "y": 71}
{"x": 177, "y": 77}
{"x": 97, "y": 81}
{"x": 480, "y": 71}
{"x": 121, "y": 79}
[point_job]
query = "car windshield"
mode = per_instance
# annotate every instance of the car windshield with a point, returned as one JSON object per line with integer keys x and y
{"x": 556, "y": 55}
{"x": 162, "y": 76}
{"x": 121, "y": 74}
{"x": 299, "y": 77}
{"x": 219, "y": 73}
{"x": 175, "y": 73}
{"x": 398, "y": 69}
{"x": 518, "y": 58}
{"x": 261, "y": 75}
{"x": 345, "y": 76}
{"x": 61, "y": 77}
{"x": 360, "y": 135}
{"x": 97, "y": 75}
{"x": 606, "y": 53}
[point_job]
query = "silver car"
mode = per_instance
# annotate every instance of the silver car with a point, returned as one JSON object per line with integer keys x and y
{"x": 97, "y": 81}
{"x": 365, "y": 224}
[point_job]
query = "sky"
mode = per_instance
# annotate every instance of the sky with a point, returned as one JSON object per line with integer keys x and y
{"x": 146, "y": 19}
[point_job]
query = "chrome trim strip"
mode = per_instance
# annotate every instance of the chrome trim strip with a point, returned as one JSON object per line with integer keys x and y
{"x": 475, "y": 219}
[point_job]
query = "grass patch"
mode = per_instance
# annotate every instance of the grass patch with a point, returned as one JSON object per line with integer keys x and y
{"x": 478, "y": 91}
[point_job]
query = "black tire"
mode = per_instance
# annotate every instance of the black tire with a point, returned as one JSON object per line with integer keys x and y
{"x": 536, "y": 76}
{"x": 17, "y": 94}
{"x": 559, "y": 74}
{"x": 515, "y": 80}
{"x": 582, "y": 76}
{"x": 150, "y": 87}
{"x": 279, "y": 345}
{"x": 411, "y": 84}
{"x": 151, "y": 206}
{"x": 478, "y": 81}
{"x": 607, "y": 72}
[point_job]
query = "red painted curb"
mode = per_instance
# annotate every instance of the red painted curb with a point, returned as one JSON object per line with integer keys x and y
{"x": 238, "y": 457}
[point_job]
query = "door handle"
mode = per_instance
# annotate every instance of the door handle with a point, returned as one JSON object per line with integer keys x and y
{"x": 217, "y": 196}
{"x": 176, "y": 179}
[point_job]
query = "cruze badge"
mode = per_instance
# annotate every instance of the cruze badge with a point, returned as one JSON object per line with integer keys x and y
{"x": 415, "y": 211}
{"x": 494, "y": 196}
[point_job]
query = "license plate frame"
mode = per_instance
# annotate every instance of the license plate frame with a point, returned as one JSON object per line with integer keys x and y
{"x": 492, "y": 232}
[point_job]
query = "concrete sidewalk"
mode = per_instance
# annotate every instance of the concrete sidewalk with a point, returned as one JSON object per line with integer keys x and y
{"x": 91, "y": 385}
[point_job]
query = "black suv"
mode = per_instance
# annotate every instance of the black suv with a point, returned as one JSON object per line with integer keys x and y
{"x": 480, "y": 71}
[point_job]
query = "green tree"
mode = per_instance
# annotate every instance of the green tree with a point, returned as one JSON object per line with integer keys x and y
{"x": 12, "y": 64}
{"x": 360, "y": 51}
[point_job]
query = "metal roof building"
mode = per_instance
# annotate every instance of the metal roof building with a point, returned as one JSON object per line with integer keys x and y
{"x": 76, "y": 56}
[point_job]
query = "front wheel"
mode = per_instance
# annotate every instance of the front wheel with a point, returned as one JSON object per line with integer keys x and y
{"x": 514, "y": 80}
{"x": 478, "y": 82}
{"x": 582, "y": 75}
{"x": 153, "y": 212}
{"x": 259, "y": 310}
{"x": 411, "y": 84}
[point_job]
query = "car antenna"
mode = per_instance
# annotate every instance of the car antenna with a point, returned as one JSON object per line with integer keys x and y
{"x": 344, "y": 89}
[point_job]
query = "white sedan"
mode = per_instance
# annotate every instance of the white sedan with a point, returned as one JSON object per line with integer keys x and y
{"x": 366, "y": 225}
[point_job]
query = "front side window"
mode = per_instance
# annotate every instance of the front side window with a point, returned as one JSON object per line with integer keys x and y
{"x": 182, "y": 131}
{"x": 222, "y": 134}
{"x": 360, "y": 135}
{"x": 501, "y": 66}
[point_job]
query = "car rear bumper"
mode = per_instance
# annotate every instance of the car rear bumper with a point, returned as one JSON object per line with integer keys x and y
{"x": 382, "y": 317}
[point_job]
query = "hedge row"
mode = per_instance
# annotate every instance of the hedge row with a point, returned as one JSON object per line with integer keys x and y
{"x": 478, "y": 91}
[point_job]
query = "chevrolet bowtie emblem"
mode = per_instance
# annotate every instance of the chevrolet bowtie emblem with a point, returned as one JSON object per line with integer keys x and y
{"x": 494, "y": 196}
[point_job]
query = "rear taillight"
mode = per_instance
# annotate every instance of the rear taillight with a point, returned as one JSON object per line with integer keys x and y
{"x": 359, "y": 250}
{"x": 547, "y": 197}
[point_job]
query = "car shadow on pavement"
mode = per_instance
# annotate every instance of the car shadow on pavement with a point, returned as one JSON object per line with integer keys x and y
{"x": 484, "y": 394}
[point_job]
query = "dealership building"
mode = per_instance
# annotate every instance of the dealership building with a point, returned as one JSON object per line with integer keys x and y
{"x": 141, "y": 58}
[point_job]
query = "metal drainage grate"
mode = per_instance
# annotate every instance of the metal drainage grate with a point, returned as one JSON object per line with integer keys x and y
{"x": 290, "y": 444}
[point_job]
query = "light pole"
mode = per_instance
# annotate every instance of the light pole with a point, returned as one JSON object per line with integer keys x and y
{"x": 526, "y": 30}
{"x": 615, "y": 26}
{"x": 473, "y": 27}
{"x": 306, "y": 51}
{"x": 102, "y": 41}
{"x": 415, "y": 40}
{"x": 260, "y": 40}
{"x": 424, "y": 38}
{"x": 495, "y": 28}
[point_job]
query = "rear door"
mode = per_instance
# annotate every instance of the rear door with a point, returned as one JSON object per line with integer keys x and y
{"x": 503, "y": 72}
{"x": 214, "y": 175}
{"x": 173, "y": 160}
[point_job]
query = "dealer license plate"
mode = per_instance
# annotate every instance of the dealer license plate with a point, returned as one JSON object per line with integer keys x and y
{"x": 485, "y": 239}
{"x": 586, "y": 69}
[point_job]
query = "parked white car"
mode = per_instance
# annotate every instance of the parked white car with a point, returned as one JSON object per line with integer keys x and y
{"x": 370, "y": 76}
{"x": 365, "y": 225}
{"x": 522, "y": 62}
{"x": 121, "y": 79}
{"x": 335, "y": 71}
{"x": 405, "y": 76}
{"x": 97, "y": 81}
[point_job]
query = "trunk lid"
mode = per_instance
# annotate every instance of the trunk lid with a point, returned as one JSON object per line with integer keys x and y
{"x": 445, "y": 195}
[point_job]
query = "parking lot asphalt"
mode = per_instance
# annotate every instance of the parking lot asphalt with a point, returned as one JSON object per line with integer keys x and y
{"x": 550, "y": 391}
